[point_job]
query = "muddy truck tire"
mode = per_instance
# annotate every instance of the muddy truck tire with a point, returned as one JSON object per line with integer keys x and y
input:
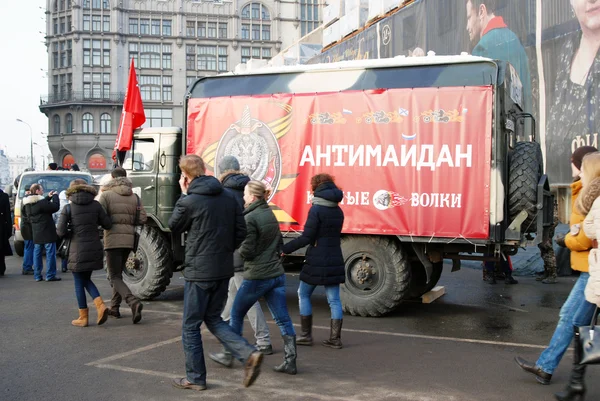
{"x": 149, "y": 271}
{"x": 377, "y": 275}
{"x": 418, "y": 279}
{"x": 525, "y": 170}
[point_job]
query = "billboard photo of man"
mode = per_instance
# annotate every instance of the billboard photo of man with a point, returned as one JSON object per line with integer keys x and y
{"x": 492, "y": 38}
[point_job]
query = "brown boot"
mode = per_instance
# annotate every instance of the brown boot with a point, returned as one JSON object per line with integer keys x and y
{"x": 102, "y": 310}
{"x": 82, "y": 321}
{"x": 305, "y": 331}
{"x": 335, "y": 334}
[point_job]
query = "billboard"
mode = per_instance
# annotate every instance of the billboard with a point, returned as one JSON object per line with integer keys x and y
{"x": 553, "y": 45}
{"x": 409, "y": 161}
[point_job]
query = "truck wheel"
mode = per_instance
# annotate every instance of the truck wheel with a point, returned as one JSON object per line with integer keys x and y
{"x": 19, "y": 247}
{"x": 418, "y": 279}
{"x": 525, "y": 170}
{"x": 149, "y": 272}
{"x": 377, "y": 275}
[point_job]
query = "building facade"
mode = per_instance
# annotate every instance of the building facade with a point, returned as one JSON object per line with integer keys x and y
{"x": 172, "y": 42}
{"x": 17, "y": 165}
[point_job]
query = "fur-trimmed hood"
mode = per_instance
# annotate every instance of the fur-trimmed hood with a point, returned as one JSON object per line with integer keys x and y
{"x": 120, "y": 185}
{"x": 588, "y": 195}
{"x": 31, "y": 199}
{"x": 81, "y": 194}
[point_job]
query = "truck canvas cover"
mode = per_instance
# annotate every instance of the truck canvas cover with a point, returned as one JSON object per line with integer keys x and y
{"x": 411, "y": 161}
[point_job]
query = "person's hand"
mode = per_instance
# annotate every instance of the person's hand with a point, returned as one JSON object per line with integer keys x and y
{"x": 560, "y": 240}
{"x": 183, "y": 184}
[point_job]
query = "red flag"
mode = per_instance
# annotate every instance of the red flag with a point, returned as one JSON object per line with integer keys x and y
{"x": 133, "y": 115}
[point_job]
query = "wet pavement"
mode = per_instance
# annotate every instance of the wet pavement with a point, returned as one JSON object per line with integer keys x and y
{"x": 461, "y": 347}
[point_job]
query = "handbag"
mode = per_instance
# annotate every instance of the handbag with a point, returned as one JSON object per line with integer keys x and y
{"x": 589, "y": 342}
{"x": 65, "y": 243}
{"x": 136, "y": 224}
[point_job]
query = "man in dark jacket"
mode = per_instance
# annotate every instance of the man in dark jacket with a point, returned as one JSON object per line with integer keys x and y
{"x": 235, "y": 181}
{"x": 5, "y": 230}
{"x": 39, "y": 210}
{"x": 27, "y": 234}
{"x": 215, "y": 227}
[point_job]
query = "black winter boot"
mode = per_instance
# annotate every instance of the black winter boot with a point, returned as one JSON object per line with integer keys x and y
{"x": 305, "y": 331}
{"x": 289, "y": 360}
{"x": 335, "y": 334}
{"x": 575, "y": 390}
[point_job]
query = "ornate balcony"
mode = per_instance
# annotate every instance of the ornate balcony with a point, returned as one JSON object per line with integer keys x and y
{"x": 84, "y": 97}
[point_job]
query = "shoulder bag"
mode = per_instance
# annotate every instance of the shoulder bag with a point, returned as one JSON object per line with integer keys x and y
{"x": 65, "y": 243}
{"x": 136, "y": 225}
{"x": 589, "y": 342}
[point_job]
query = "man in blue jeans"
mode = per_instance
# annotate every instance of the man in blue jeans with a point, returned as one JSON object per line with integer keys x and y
{"x": 39, "y": 210}
{"x": 215, "y": 227}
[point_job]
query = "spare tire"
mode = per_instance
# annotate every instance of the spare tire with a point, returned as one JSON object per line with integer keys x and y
{"x": 524, "y": 172}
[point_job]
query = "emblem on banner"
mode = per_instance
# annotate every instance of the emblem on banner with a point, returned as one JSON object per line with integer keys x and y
{"x": 383, "y": 199}
{"x": 380, "y": 117}
{"x": 252, "y": 142}
{"x": 440, "y": 116}
{"x": 328, "y": 118}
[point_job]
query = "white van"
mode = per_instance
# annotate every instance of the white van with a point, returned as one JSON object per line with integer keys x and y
{"x": 50, "y": 180}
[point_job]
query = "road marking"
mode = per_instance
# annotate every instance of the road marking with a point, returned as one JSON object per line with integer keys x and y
{"x": 403, "y": 335}
{"x": 133, "y": 352}
{"x": 291, "y": 393}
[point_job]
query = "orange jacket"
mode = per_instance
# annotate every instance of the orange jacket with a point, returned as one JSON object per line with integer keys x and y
{"x": 576, "y": 240}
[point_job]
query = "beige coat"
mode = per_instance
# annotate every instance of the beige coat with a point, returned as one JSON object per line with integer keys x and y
{"x": 120, "y": 203}
{"x": 591, "y": 226}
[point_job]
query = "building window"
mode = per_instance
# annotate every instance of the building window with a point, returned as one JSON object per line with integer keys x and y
{"x": 106, "y": 23}
{"x": 222, "y": 30}
{"x": 86, "y": 22}
{"x": 67, "y": 161}
{"x": 144, "y": 26}
{"x": 56, "y": 124}
{"x": 207, "y": 58}
{"x": 96, "y": 85}
{"x": 190, "y": 29}
{"x": 259, "y": 22}
{"x": 201, "y": 29}
{"x": 96, "y": 3}
{"x": 167, "y": 89}
{"x": 150, "y": 55}
{"x": 166, "y": 57}
{"x": 69, "y": 23}
{"x": 222, "y": 58}
{"x": 190, "y": 57}
{"x": 105, "y": 120}
{"x": 150, "y": 87}
{"x": 133, "y": 26}
{"x": 158, "y": 118}
{"x": 96, "y": 23}
{"x": 86, "y": 3}
{"x": 309, "y": 16}
{"x": 255, "y": 53}
{"x": 212, "y": 29}
{"x": 106, "y": 4}
{"x": 69, "y": 53}
{"x": 55, "y": 26}
{"x": 106, "y": 53}
{"x": 63, "y": 54}
{"x": 88, "y": 123}
{"x": 166, "y": 27}
{"x": 96, "y": 162}
{"x": 155, "y": 27}
{"x": 63, "y": 25}
{"x": 62, "y": 5}
{"x": 69, "y": 123}
{"x": 55, "y": 54}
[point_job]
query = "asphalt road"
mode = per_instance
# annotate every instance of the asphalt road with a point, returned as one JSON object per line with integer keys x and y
{"x": 460, "y": 347}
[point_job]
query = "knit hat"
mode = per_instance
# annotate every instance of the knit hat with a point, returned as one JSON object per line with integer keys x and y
{"x": 577, "y": 156}
{"x": 229, "y": 163}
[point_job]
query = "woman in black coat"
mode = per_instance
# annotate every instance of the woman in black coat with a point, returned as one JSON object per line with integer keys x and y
{"x": 5, "y": 230}
{"x": 83, "y": 215}
{"x": 324, "y": 263}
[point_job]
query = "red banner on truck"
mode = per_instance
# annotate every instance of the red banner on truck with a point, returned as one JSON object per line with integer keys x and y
{"x": 412, "y": 162}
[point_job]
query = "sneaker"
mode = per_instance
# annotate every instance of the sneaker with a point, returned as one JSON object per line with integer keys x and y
{"x": 510, "y": 280}
{"x": 27, "y": 272}
{"x": 550, "y": 280}
{"x": 54, "y": 279}
{"x": 183, "y": 384}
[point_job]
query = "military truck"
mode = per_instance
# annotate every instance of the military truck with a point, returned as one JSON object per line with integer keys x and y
{"x": 430, "y": 153}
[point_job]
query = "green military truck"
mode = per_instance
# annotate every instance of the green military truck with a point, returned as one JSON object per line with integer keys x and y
{"x": 430, "y": 152}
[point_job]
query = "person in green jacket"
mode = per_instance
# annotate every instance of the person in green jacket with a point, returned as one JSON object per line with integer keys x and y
{"x": 494, "y": 40}
{"x": 263, "y": 273}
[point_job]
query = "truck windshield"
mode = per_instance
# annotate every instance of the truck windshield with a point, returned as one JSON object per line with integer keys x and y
{"x": 464, "y": 74}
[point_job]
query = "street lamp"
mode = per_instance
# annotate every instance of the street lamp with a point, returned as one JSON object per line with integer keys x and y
{"x": 30, "y": 137}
